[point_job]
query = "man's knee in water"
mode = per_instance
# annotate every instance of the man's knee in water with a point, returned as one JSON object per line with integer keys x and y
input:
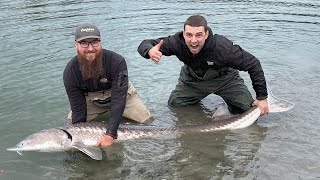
{"x": 177, "y": 101}
{"x": 172, "y": 103}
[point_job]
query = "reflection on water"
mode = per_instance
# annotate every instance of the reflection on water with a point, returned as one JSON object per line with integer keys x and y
{"x": 38, "y": 43}
{"x": 227, "y": 154}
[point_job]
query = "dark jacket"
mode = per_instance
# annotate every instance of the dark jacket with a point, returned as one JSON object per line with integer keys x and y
{"x": 217, "y": 51}
{"x": 117, "y": 75}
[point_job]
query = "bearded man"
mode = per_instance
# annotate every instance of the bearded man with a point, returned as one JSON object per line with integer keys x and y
{"x": 96, "y": 81}
{"x": 211, "y": 65}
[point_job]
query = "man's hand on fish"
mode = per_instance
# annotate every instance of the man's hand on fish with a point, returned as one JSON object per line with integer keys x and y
{"x": 106, "y": 140}
{"x": 263, "y": 106}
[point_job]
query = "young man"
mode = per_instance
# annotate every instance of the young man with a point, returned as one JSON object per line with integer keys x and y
{"x": 211, "y": 64}
{"x": 96, "y": 81}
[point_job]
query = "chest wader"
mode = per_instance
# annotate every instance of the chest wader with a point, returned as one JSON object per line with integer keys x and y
{"x": 99, "y": 103}
{"x": 224, "y": 82}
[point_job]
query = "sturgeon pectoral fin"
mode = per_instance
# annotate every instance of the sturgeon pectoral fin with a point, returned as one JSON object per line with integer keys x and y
{"x": 93, "y": 152}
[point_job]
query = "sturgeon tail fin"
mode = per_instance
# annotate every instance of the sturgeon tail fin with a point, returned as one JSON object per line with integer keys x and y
{"x": 277, "y": 104}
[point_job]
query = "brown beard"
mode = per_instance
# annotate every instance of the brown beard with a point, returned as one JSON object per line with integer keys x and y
{"x": 93, "y": 68}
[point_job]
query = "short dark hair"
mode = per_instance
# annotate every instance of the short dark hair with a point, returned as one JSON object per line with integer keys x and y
{"x": 196, "y": 21}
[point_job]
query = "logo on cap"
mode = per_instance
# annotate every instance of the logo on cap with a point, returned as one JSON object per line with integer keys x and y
{"x": 87, "y": 30}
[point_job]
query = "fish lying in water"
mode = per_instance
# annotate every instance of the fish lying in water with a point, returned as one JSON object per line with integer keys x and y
{"x": 84, "y": 136}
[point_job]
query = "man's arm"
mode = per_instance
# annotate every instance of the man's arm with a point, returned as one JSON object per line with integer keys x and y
{"x": 157, "y": 47}
{"x": 118, "y": 99}
{"x": 234, "y": 56}
{"x": 146, "y": 45}
{"x": 119, "y": 93}
{"x": 76, "y": 97}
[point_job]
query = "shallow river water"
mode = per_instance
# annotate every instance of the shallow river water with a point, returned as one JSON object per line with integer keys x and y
{"x": 37, "y": 42}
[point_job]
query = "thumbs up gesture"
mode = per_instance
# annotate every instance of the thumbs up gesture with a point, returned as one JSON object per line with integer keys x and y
{"x": 154, "y": 52}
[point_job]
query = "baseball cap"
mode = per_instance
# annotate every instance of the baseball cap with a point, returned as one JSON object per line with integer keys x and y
{"x": 85, "y": 31}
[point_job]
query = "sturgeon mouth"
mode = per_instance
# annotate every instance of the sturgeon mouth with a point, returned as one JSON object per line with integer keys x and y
{"x": 15, "y": 148}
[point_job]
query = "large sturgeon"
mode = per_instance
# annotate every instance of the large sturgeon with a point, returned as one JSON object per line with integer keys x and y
{"x": 84, "y": 136}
